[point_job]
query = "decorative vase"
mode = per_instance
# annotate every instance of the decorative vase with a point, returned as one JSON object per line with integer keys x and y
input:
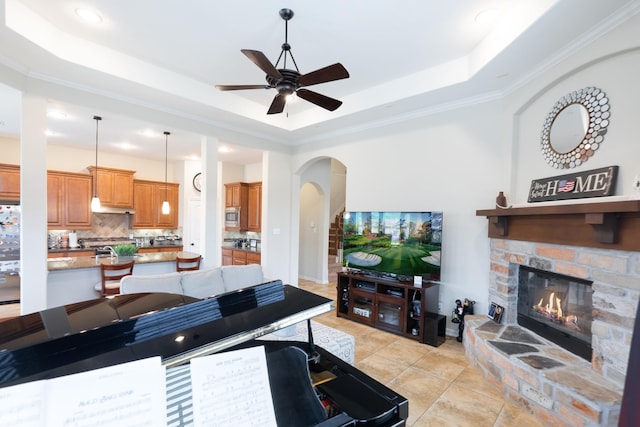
{"x": 125, "y": 258}
{"x": 501, "y": 200}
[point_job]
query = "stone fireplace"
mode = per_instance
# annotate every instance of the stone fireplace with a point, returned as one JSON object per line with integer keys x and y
{"x": 556, "y": 307}
{"x": 596, "y": 245}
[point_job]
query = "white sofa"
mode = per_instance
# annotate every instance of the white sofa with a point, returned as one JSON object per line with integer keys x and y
{"x": 198, "y": 284}
{"x": 214, "y": 281}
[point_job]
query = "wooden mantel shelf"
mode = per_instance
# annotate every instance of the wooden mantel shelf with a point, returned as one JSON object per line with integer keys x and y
{"x": 609, "y": 225}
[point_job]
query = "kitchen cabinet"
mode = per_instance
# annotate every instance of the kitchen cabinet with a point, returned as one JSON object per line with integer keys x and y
{"x": 9, "y": 183}
{"x": 114, "y": 186}
{"x": 247, "y": 197}
{"x": 240, "y": 257}
{"x": 69, "y": 201}
{"x": 147, "y": 203}
{"x": 253, "y": 258}
{"x": 236, "y": 194}
{"x": 254, "y": 206}
{"x": 227, "y": 256}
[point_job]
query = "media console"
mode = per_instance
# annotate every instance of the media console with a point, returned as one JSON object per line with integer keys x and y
{"x": 392, "y": 305}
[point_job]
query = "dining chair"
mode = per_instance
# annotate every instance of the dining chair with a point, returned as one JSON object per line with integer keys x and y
{"x": 188, "y": 263}
{"x": 110, "y": 275}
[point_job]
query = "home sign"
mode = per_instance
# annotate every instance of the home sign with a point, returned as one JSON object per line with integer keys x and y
{"x": 592, "y": 183}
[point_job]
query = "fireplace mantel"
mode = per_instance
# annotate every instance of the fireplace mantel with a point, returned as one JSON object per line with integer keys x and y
{"x": 607, "y": 225}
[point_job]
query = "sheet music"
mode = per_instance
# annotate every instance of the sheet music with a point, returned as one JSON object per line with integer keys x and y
{"x": 127, "y": 395}
{"x": 131, "y": 394}
{"x": 23, "y": 405}
{"x": 232, "y": 389}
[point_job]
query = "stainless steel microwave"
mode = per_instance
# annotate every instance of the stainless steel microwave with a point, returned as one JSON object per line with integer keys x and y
{"x": 232, "y": 217}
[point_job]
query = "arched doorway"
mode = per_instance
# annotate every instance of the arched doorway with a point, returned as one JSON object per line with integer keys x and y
{"x": 321, "y": 198}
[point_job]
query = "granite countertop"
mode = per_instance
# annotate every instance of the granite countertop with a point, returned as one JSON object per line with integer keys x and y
{"x": 67, "y": 263}
{"x": 250, "y": 250}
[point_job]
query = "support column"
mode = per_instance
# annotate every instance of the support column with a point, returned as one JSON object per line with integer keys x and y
{"x": 210, "y": 232}
{"x": 33, "y": 201}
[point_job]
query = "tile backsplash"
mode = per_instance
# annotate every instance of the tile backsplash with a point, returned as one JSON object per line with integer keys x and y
{"x": 117, "y": 225}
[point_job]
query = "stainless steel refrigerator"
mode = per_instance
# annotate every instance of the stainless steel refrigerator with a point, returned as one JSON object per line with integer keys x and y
{"x": 9, "y": 253}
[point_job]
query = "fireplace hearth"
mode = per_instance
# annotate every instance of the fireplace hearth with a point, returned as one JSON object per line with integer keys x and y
{"x": 595, "y": 242}
{"x": 556, "y": 307}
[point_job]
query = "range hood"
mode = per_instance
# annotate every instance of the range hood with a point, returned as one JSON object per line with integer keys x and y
{"x": 112, "y": 210}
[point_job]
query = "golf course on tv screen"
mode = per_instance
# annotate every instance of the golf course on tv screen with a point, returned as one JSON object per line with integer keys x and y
{"x": 403, "y": 244}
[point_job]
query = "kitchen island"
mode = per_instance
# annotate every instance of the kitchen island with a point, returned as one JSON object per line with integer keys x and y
{"x": 72, "y": 279}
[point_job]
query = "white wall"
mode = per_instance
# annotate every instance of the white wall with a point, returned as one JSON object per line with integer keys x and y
{"x": 455, "y": 162}
{"x": 279, "y": 226}
{"x": 253, "y": 172}
{"x": 617, "y": 77}
{"x": 10, "y": 148}
{"x": 71, "y": 159}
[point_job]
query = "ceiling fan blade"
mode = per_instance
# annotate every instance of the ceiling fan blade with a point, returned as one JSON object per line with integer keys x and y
{"x": 319, "y": 99}
{"x": 277, "y": 105}
{"x": 241, "y": 87}
{"x": 323, "y": 75}
{"x": 261, "y": 61}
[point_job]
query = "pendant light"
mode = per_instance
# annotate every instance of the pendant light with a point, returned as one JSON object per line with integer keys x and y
{"x": 95, "y": 201}
{"x": 166, "y": 208}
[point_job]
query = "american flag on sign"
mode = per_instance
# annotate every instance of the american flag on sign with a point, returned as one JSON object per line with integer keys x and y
{"x": 566, "y": 186}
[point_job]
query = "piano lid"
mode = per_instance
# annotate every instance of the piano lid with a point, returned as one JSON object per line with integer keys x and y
{"x": 93, "y": 334}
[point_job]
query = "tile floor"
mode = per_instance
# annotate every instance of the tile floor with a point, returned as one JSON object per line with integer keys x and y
{"x": 442, "y": 388}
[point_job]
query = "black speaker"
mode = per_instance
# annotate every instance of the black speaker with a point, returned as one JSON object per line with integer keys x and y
{"x": 434, "y": 330}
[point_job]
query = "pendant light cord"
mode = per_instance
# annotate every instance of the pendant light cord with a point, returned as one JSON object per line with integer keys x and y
{"x": 166, "y": 145}
{"x": 95, "y": 181}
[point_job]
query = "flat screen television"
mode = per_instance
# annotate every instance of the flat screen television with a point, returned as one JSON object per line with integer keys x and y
{"x": 397, "y": 245}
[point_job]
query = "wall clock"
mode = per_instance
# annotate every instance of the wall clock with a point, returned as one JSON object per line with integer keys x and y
{"x": 197, "y": 184}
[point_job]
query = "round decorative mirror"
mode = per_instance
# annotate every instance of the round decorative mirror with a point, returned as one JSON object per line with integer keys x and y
{"x": 575, "y": 128}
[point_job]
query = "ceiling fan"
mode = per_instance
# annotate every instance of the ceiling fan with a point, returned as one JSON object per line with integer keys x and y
{"x": 287, "y": 81}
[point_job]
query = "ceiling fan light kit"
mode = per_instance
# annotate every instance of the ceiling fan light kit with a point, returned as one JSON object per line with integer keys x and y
{"x": 288, "y": 81}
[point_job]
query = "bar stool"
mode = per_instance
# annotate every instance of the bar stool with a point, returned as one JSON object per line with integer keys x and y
{"x": 188, "y": 263}
{"x": 110, "y": 275}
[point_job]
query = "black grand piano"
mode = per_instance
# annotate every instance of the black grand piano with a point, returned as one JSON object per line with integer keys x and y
{"x": 309, "y": 386}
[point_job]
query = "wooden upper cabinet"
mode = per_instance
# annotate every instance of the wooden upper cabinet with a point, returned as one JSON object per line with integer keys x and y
{"x": 77, "y": 201}
{"x": 248, "y": 198}
{"x": 69, "y": 200}
{"x": 236, "y": 194}
{"x": 55, "y": 188}
{"x": 254, "y": 204}
{"x": 143, "y": 204}
{"x": 115, "y": 187}
{"x": 147, "y": 202}
{"x": 9, "y": 183}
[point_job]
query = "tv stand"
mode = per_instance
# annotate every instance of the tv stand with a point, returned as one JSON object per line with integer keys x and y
{"x": 392, "y": 305}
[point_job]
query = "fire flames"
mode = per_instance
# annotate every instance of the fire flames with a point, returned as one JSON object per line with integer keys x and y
{"x": 553, "y": 310}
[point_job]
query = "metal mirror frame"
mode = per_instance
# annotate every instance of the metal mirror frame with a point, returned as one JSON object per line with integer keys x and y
{"x": 595, "y": 101}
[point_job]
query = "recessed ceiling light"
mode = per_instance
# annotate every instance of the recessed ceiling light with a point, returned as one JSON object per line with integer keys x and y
{"x": 149, "y": 133}
{"x": 126, "y": 146}
{"x": 49, "y": 132}
{"x": 89, "y": 15}
{"x": 224, "y": 149}
{"x": 57, "y": 114}
{"x": 487, "y": 16}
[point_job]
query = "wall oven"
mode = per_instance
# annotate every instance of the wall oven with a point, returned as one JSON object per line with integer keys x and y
{"x": 232, "y": 217}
